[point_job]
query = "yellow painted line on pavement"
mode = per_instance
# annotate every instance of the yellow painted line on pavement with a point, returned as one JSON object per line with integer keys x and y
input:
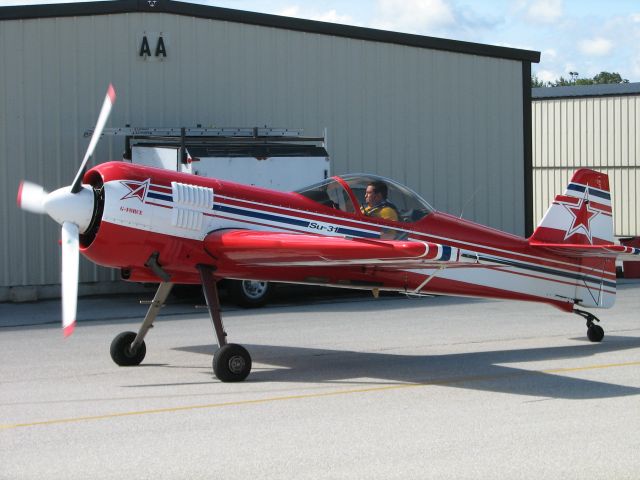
{"x": 590, "y": 367}
{"x": 440, "y": 382}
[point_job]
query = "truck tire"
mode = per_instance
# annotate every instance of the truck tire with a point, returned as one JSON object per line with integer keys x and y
{"x": 249, "y": 293}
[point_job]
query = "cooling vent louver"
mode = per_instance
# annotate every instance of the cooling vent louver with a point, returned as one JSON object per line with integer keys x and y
{"x": 190, "y": 201}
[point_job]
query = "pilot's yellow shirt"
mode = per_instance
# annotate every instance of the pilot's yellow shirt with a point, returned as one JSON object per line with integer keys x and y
{"x": 386, "y": 212}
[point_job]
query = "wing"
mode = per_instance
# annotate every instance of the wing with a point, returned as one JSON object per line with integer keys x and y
{"x": 248, "y": 247}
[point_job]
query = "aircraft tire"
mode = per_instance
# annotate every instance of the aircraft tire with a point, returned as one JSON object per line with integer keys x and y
{"x": 120, "y": 352}
{"x": 595, "y": 333}
{"x": 232, "y": 363}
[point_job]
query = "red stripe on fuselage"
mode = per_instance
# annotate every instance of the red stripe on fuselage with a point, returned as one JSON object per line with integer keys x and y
{"x": 159, "y": 188}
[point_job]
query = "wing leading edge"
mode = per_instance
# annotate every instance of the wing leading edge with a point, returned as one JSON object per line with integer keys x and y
{"x": 248, "y": 247}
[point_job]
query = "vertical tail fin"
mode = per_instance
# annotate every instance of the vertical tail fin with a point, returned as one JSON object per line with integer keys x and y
{"x": 581, "y": 216}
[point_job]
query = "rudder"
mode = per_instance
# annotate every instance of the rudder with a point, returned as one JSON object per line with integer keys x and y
{"x": 581, "y": 216}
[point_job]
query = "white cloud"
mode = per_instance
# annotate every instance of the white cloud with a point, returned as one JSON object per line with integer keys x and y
{"x": 291, "y": 11}
{"x": 598, "y": 46}
{"x": 329, "y": 16}
{"x": 333, "y": 17}
{"x": 547, "y": 75}
{"x": 545, "y": 11}
{"x": 416, "y": 16}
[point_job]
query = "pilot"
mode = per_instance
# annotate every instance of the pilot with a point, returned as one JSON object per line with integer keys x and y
{"x": 377, "y": 204}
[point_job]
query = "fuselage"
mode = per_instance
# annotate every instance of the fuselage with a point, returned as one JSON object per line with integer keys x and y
{"x": 143, "y": 211}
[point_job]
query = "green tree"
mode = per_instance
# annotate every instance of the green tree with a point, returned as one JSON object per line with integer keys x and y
{"x": 562, "y": 82}
{"x": 606, "y": 77}
{"x": 601, "y": 78}
{"x": 536, "y": 82}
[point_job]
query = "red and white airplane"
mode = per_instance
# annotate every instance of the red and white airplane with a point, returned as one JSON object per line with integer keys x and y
{"x": 166, "y": 227}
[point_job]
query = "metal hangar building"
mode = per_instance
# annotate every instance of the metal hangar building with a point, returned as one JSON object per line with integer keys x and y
{"x": 592, "y": 126}
{"x": 450, "y": 119}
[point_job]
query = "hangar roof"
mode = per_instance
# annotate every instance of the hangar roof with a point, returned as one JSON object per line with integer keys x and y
{"x": 601, "y": 90}
{"x": 275, "y": 21}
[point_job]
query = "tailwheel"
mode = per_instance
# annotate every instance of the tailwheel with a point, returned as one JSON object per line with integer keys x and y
{"x": 122, "y": 353}
{"x": 232, "y": 363}
{"x": 595, "y": 333}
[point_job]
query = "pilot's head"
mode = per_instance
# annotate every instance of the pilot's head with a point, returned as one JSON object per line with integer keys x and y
{"x": 376, "y": 193}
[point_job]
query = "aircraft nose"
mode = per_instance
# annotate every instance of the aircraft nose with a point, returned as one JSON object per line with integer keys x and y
{"x": 77, "y": 208}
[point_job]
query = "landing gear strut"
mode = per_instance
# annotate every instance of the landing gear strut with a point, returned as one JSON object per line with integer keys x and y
{"x": 128, "y": 348}
{"x": 231, "y": 363}
{"x": 595, "y": 333}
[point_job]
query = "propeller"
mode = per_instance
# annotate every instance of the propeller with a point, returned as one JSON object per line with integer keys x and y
{"x": 70, "y": 263}
{"x": 109, "y": 100}
{"x": 31, "y": 197}
{"x": 71, "y": 207}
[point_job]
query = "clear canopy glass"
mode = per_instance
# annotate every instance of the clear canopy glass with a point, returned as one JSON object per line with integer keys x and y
{"x": 346, "y": 193}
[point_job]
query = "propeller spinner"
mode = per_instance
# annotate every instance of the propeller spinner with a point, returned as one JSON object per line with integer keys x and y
{"x": 71, "y": 207}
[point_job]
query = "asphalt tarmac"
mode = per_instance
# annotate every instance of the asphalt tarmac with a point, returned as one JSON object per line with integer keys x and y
{"x": 349, "y": 388}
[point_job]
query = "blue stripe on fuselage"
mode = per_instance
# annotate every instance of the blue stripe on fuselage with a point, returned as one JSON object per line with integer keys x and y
{"x": 160, "y": 196}
{"x": 287, "y": 220}
{"x": 547, "y": 270}
{"x": 267, "y": 216}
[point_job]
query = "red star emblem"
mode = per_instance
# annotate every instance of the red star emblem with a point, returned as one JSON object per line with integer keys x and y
{"x": 136, "y": 189}
{"x": 582, "y": 215}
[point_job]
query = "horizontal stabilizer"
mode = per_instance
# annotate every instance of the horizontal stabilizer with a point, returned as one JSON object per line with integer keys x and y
{"x": 590, "y": 251}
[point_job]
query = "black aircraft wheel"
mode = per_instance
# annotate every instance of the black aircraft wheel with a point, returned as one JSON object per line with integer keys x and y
{"x": 232, "y": 363}
{"x": 595, "y": 333}
{"x": 121, "y": 352}
{"x": 249, "y": 293}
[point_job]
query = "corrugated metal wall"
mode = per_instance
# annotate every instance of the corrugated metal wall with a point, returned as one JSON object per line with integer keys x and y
{"x": 449, "y": 125}
{"x": 595, "y": 132}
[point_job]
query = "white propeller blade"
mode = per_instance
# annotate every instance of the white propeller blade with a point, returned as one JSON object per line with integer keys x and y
{"x": 109, "y": 100}
{"x": 31, "y": 197}
{"x": 70, "y": 260}
{"x": 73, "y": 208}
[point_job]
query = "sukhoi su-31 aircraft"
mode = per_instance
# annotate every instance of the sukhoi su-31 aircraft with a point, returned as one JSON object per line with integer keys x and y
{"x": 167, "y": 227}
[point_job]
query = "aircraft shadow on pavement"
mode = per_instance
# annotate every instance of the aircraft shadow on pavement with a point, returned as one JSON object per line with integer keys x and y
{"x": 484, "y": 371}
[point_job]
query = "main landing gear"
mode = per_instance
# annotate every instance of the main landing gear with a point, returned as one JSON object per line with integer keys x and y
{"x": 231, "y": 363}
{"x": 595, "y": 333}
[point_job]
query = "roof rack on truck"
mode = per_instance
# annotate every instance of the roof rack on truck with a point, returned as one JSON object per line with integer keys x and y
{"x": 209, "y": 142}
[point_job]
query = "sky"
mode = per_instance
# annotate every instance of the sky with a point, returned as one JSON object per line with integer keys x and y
{"x": 584, "y": 36}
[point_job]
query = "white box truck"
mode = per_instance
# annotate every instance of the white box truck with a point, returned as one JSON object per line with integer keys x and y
{"x": 275, "y": 158}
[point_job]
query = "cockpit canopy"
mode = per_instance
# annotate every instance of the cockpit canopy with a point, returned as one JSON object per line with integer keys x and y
{"x": 346, "y": 193}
